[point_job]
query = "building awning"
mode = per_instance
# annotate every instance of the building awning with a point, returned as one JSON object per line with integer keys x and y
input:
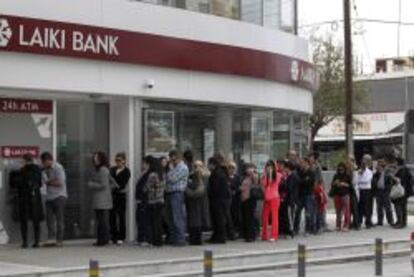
{"x": 366, "y": 127}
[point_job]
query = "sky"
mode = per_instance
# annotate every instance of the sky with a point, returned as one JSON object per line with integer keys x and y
{"x": 370, "y": 40}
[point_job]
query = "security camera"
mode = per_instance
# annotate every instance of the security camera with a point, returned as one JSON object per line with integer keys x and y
{"x": 150, "y": 84}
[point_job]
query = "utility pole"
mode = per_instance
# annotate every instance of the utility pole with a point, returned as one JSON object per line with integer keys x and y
{"x": 348, "y": 79}
{"x": 295, "y": 17}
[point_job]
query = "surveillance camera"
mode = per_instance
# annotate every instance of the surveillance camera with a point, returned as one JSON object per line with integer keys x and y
{"x": 150, "y": 84}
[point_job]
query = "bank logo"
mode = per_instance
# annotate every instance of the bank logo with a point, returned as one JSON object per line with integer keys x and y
{"x": 5, "y": 32}
{"x": 294, "y": 71}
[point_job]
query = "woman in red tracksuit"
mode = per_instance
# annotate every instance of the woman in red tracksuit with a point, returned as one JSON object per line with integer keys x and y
{"x": 270, "y": 182}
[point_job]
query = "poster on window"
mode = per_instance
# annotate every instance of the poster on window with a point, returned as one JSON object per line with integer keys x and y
{"x": 159, "y": 132}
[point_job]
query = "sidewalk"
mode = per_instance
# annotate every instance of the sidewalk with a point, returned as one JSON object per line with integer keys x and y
{"x": 77, "y": 253}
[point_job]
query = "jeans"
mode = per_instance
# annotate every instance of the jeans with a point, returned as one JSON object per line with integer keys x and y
{"x": 55, "y": 218}
{"x": 383, "y": 203}
{"x": 177, "y": 218}
{"x": 102, "y": 226}
{"x": 307, "y": 203}
{"x": 399, "y": 205}
{"x": 117, "y": 217}
{"x": 342, "y": 208}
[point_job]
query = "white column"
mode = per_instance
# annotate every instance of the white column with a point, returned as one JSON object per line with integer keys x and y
{"x": 122, "y": 135}
{"x": 224, "y": 131}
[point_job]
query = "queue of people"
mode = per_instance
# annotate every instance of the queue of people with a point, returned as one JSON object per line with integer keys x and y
{"x": 178, "y": 198}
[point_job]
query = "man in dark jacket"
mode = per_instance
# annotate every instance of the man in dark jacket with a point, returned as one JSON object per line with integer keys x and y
{"x": 406, "y": 178}
{"x": 289, "y": 196}
{"x": 30, "y": 201}
{"x": 218, "y": 195}
{"x": 306, "y": 198}
{"x": 381, "y": 187}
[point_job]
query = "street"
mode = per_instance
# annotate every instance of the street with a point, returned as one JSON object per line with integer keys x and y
{"x": 400, "y": 267}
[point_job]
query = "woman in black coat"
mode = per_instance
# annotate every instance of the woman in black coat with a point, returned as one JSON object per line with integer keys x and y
{"x": 29, "y": 199}
{"x": 121, "y": 175}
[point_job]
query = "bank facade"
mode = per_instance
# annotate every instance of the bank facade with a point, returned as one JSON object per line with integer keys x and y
{"x": 129, "y": 76}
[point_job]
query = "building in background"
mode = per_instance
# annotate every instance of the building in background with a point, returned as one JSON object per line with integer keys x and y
{"x": 385, "y": 124}
{"x": 121, "y": 75}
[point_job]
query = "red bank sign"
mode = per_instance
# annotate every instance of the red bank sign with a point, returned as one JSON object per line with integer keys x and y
{"x": 37, "y": 36}
{"x": 12, "y": 152}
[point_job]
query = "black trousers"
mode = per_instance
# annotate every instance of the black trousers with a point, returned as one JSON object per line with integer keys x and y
{"x": 404, "y": 211}
{"x": 102, "y": 227}
{"x": 218, "y": 221}
{"x": 195, "y": 235}
{"x": 383, "y": 201}
{"x": 235, "y": 212}
{"x": 117, "y": 217}
{"x": 229, "y": 221}
{"x": 365, "y": 207}
{"x": 399, "y": 205}
{"x": 24, "y": 226}
{"x": 155, "y": 223}
{"x": 142, "y": 221}
{"x": 285, "y": 219}
{"x": 248, "y": 208}
{"x": 354, "y": 211}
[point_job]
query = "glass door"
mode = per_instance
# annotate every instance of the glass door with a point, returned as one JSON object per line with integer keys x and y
{"x": 82, "y": 129}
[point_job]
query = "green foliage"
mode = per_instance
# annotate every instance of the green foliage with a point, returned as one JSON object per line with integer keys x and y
{"x": 329, "y": 100}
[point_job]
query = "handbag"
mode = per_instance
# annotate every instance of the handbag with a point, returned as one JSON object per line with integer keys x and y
{"x": 397, "y": 191}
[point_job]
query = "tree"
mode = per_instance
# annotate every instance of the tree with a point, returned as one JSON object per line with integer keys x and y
{"x": 329, "y": 100}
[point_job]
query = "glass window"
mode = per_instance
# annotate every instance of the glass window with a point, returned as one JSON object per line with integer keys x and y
{"x": 271, "y": 13}
{"x": 281, "y": 135}
{"x": 226, "y": 8}
{"x": 202, "y": 6}
{"x": 82, "y": 129}
{"x": 252, "y": 11}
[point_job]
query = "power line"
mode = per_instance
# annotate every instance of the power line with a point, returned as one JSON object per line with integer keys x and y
{"x": 368, "y": 20}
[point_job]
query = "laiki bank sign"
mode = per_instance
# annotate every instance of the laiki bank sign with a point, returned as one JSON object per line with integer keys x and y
{"x": 25, "y": 35}
{"x": 73, "y": 40}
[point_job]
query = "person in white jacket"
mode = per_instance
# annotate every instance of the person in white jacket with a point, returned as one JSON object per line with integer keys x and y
{"x": 363, "y": 183}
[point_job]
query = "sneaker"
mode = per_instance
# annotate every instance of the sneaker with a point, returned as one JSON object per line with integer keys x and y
{"x": 120, "y": 242}
{"x": 345, "y": 230}
{"x": 272, "y": 240}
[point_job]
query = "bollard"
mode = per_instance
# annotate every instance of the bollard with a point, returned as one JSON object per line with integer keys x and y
{"x": 301, "y": 260}
{"x": 412, "y": 251}
{"x": 208, "y": 263}
{"x": 378, "y": 256}
{"x": 93, "y": 268}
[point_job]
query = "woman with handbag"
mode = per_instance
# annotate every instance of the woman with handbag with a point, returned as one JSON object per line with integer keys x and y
{"x": 248, "y": 197}
{"x": 340, "y": 191}
{"x": 270, "y": 182}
